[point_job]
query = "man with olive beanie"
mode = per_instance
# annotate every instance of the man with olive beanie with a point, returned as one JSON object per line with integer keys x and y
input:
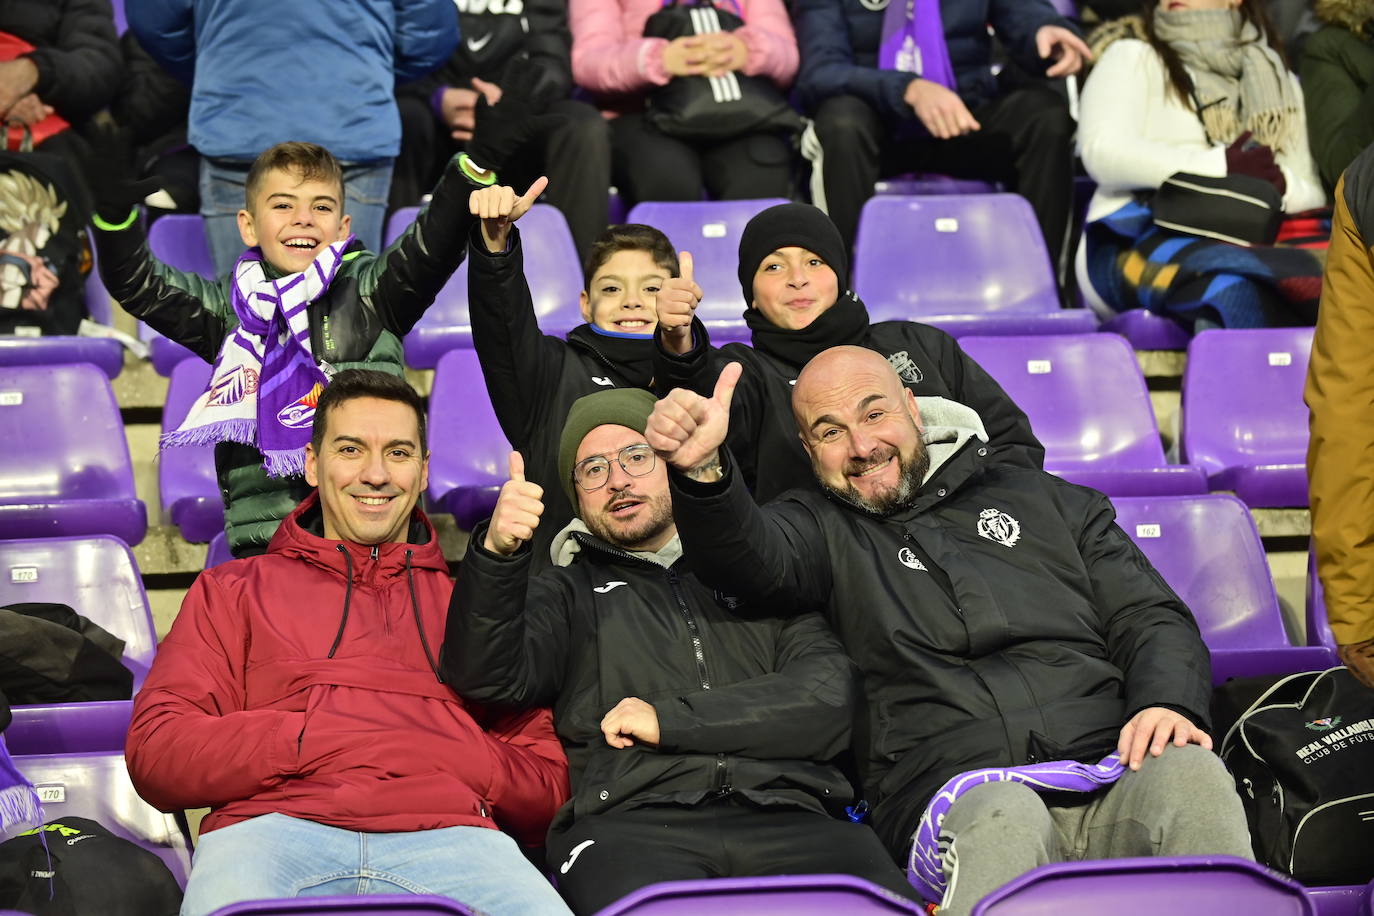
{"x": 794, "y": 272}
{"x": 698, "y": 731}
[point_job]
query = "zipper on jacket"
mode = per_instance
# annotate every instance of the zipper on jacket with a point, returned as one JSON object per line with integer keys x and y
{"x": 695, "y": 634}
{"x": 720, "y": 780}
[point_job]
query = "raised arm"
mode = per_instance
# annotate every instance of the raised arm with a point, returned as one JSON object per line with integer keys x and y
{"x": 802, "y": 710}
{"x": 192, "y": 743}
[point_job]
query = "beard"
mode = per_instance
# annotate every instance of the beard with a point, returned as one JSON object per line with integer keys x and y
{"x": 910, "y": 472}
{"x": 655, "y": 518}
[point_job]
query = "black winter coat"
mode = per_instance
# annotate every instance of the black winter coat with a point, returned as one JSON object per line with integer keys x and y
{"x": 839, "y": 41}
{"x": 76, "y": 51}
{"x": 499, "y": 34}
{"x": 1003, "y": 619}
{"x": 763, "y": 434}
{"x": 747, "y": 700}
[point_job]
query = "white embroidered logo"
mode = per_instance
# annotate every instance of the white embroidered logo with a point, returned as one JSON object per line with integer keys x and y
{"x": 910, "y": 560}
{"x": 477, "y": 44}
{"x": 576, "y": 851}
{"x": 903, "y": 366}
{"x": 609, "y": 586}
{"x": 603, "y": 380}
{"x": 998, "y": 526}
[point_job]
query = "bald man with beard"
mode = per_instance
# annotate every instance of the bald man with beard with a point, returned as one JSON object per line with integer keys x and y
{"x": 1011, "y": 638}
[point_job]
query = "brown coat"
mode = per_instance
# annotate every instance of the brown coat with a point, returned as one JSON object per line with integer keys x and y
{"x": 1340, "y": 395}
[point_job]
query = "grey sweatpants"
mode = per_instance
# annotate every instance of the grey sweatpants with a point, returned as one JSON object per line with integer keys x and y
{"x": 1180, "y": 803}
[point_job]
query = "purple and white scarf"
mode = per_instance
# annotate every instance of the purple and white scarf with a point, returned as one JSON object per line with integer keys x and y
{"x": 914, "y": 41}
{"x": 19, "y": 805}
{"x": 265, "y": 383}
{"x": 925, "y": 861}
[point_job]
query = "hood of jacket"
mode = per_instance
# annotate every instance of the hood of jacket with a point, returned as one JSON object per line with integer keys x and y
{"x": 945, "y": 426}
{"x": 1354, "y": 15}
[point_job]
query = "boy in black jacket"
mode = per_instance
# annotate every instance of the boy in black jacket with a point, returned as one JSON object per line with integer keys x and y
{"x": 533, "y": 378}
{"x": 698, "y": 732}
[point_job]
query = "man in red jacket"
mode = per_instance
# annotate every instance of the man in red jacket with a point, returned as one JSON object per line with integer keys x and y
{"x": 298, "y": 696}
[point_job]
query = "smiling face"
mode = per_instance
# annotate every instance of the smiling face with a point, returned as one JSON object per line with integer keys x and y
{"x": 861, "y": 427}
{"x": 632, "y": 513}
{"x": 793, "y": 286}
{"x": 370, "y": 470}
{"x": 623, "y": 293}
{"x": 293, "y": 220}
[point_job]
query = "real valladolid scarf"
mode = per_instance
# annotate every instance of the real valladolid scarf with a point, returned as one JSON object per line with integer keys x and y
{"x": 1240, "y": 83}
{"x": 265, "y": 383}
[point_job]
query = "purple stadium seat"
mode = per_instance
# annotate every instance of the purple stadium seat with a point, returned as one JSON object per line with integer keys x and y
{"x": 1149, "y": 887}
{"x": 1086, "y": 399}
{"x": 970, "y": 264}
{"x": 177, "y": 240}
{"x": 1244, "y": 421}
{"x": 186, "y": 475}
{"x": 1148, "y": 331}
{"x": 97, "y": 786}
{"x": 218, "y": 552}
{"x": 927, "y": 184}
{"x": 469, "y": 452}
{"x": 710, "y": 230}
{"x": 375, "y": 905}
{"x": 1318, "y": 627}
{"x": 780, "y": 895}
{"x": 66, "y": 469}
{"x": 1208, "y": 549}
{"x": 105, "y": 354}
{"x": 1341, "y": 900}
{"x": 551, "y": 266}
{"x": 98, "y": 578}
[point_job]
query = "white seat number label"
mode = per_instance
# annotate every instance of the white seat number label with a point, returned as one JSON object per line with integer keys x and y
{"x": 1038, "y": 366}
{"x": 23, "y": 573}
{"x": 1147, "y": 531}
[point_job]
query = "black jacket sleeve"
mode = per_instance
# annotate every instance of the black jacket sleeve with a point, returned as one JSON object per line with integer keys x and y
{"x": 775, "y": 556}
{"x": 1008, "y": 428}
{"x": 151, "y": 102}
{"x": 403, "y": 282}
{"x": 79, "y": 73}
{"x": 507, "y": 636}
{"x": 828, "y": 68}
{"x": 804, "y": 709}
{"x": 522, "y": 367}
{"x": 1151, "y": 634}
{"x": 1016, "y": 23}
{"x": 184, "y": 307}
{"x": 550, "y": 48}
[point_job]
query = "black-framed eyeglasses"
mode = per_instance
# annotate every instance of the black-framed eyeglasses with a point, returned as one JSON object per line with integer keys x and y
{"x": 592, "y": 473}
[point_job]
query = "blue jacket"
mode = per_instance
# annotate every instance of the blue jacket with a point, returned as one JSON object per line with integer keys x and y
{"x": 839, "y": 42}
{"x": 324, "y": 71}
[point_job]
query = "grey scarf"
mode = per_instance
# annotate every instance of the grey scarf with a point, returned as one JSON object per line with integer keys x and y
{"x": 1239, "y": 81}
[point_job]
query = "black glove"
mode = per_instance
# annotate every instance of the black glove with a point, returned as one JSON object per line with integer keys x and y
{"x": 1246, "y": 157}
{"x": 502, "y": 129}
{"x": 111, "y": 173}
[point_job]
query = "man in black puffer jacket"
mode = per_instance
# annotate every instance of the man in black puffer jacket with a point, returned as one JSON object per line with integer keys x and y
{"x": 999, "y": 617}
{"x": 698, "y": 731}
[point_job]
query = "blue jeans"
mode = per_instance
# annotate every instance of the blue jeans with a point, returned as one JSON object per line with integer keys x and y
{"x": 366, "y": 185}
{"x": 279, "y": 856}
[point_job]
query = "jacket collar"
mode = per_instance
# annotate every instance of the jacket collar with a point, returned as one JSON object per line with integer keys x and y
{"x": 300, "y": 537}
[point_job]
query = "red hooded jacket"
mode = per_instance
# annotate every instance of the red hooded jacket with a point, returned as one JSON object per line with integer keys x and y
{"x": 302, "y": 682}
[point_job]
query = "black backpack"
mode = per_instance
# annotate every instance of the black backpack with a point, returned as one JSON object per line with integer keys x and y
{"x": 1302, "y": 755}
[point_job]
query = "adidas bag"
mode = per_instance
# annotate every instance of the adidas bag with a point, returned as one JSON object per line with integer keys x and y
{"x": 1303, "y": 759}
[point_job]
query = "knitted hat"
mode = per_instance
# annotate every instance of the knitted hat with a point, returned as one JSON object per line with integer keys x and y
{"x": 777, "y": 227}
{"x": 628, "y": 407}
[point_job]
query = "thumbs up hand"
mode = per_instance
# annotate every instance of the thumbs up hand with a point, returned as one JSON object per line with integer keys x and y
{"x": 499, "y": 208}
{"x": 687, "y": 430}
{"x": 677, "y": 301}
{"x": 517, "y": 512}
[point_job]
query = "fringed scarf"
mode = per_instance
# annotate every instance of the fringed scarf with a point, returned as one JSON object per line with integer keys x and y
{"x": 1240, "y": 83}
{"x": 265, "y": 383}
{"x": 19, "y": 805}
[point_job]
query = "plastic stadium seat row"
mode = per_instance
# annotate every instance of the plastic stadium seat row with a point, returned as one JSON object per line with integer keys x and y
{"x": 67, "y": 469}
